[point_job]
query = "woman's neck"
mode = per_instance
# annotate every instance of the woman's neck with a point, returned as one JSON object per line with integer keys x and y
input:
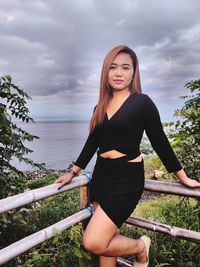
{"x": 117, "y": 95}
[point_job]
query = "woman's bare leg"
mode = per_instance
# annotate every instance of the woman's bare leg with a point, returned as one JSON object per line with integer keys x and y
{"x": 107, "y": 261}
{"x": 103, "y": 260}
{"x": 100, "y": 238}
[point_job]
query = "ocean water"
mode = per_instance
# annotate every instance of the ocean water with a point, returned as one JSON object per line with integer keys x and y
{"x": 60, "y": 143}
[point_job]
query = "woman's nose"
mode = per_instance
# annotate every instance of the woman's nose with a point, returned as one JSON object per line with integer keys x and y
{"x": 118, "y": 72}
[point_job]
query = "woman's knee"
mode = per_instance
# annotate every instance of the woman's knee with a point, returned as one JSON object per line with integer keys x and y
{"x": 95, "y": 245}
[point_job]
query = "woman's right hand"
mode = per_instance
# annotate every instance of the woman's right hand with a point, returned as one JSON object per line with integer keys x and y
{"x": 64, "y": 179}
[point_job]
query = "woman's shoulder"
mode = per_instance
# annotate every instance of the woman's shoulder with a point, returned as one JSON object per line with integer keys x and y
{"x": 144, "y": 100}
{"x": 141, "y": 96}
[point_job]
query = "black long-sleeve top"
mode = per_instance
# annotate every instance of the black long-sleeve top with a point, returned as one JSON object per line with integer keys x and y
{"x": 124, "y": 130}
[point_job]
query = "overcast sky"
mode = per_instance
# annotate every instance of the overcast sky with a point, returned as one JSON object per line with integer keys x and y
{"x": 55, "y": 49}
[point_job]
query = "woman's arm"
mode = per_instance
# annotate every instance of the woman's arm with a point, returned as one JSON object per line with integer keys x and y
{"x": 159, "y": 141}
{"x": 88, "y": 150}
{"x": 161, "y": 145}
{"x": 181, "y": 175}
{"x": 76, "y": 168}
{"x": 84, "y": 157}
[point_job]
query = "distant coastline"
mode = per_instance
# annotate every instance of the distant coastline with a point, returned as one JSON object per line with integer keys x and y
{"x": 54, "y": 121}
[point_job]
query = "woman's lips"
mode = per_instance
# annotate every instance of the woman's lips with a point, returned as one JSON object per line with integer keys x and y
{"x": 117, "y": 81}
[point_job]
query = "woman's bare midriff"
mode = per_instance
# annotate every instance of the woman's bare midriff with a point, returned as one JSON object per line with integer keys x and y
{"x": 113, "y": 154}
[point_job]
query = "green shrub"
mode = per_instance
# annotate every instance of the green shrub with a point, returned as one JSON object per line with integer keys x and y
{"x": 166, "y": 250}
{"x": 12, "y": 138}
{"x": 47, "y": 180}
{"x": 185, "y": 131}
{"x": 65, "y": 249}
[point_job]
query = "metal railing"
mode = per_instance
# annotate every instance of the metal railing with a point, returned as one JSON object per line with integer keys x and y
{"x": 86, "y": 211}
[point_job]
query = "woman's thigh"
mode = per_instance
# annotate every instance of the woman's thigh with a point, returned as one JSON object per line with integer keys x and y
{"x": 95, "y": 204}
{"x": 100, "y": 229}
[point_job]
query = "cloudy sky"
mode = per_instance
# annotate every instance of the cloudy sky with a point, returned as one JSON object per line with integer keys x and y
{"x": 55, "y": 49}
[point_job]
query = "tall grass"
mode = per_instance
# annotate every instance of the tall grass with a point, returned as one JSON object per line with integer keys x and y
{"x": 167, "y": 250}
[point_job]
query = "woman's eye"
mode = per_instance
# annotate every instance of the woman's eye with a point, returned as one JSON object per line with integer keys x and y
{"x": 126, "y": 68}
{"x": 112, "y": 67}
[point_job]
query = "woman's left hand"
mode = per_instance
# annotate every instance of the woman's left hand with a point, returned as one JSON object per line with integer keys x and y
{"x": 190, "y": 182}
{"x": 182, "y": 176}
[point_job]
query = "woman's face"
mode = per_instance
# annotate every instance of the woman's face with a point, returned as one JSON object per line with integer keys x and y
{"x": 121, "y": 72}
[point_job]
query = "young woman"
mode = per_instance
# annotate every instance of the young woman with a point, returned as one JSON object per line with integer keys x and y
{"x": 119, "y": 119}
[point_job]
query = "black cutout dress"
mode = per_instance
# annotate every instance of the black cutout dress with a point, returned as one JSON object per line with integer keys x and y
{"x": 117, "y": 184}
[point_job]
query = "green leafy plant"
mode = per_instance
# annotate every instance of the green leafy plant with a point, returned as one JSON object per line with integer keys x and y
{"x": 37, "y": 183}
{"x": 167, "y": 250}
{"x": 64, "y": 249}
{"x": 185, "y": 131}
{"x": 12, "y": 138}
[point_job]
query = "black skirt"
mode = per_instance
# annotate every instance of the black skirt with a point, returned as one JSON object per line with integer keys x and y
{"x": 117, "y": 186}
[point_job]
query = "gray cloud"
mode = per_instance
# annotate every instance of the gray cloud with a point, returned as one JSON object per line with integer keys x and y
{"x": 54, "y": 49}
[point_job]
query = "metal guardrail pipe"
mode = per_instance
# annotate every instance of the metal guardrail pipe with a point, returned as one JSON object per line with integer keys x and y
{"x": 30, "y": 241}
{"x": 50, "y": 190}
{"x": 164, "y": 228}
{"x": 22, "y": 199}
{"x": 124, "y": 263}
{"x": 41, "y": 193}
{"x": 171, "y": 188}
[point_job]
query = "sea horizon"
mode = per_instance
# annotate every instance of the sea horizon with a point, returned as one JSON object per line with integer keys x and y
{"x": 59, "y": 143}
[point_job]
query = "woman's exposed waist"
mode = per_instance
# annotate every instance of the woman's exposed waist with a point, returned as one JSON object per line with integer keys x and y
{"x": 135, "y": 156}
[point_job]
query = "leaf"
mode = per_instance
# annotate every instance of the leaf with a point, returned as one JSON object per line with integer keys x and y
{"x": 77, "y": 252}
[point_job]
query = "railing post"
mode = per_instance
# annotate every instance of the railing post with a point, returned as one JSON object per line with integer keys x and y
{"x": 84, "y": 200}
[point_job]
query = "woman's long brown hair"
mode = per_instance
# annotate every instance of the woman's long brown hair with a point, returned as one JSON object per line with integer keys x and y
{"x": 105, "y": 91}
